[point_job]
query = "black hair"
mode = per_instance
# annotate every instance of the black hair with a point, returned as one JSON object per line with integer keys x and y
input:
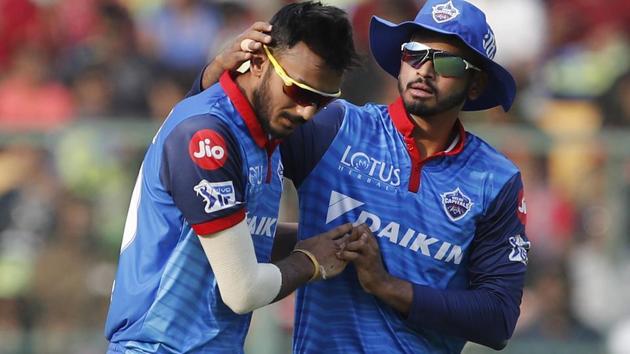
{"x": 324, "y": 29}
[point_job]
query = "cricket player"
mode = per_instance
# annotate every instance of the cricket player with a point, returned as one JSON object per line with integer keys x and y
{"x": 443, "y": 258}
{"x": 195, "y": 255}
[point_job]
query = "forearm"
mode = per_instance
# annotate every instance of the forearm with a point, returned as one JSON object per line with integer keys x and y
{"x": 478, "y": 315}
{"x": 296, "y": 269}
{"x": 211, "y": 74}
{"x": 284, "y": 241}
{"x": 396, "y": 293}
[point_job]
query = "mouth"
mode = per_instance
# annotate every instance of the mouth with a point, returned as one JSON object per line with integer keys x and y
{"x": 420, "y": 90}
{"x": 289, "y": 121}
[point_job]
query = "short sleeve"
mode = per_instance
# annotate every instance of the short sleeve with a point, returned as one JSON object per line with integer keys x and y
{"x": 202, "y": 170}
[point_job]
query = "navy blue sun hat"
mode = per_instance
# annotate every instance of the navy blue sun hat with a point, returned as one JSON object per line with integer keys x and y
{"x": 451, "y": 17}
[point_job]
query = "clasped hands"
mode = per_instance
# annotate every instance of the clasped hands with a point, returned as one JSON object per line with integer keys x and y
{"x": 333, "y": 250}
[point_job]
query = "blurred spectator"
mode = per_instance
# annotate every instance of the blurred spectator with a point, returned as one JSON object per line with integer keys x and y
{"x": 588, "y": 47}
{"x": 236, "y": 18}
{"x": 163, "y": 94}
{"x": 93, "y": 92}
{"x": 27, "y": 193}
{"x": 600, "y": 274}
{"x": 60, "y": 290}
{"x": 19, "y": 22}
{"x": 110, "y": 64}
{"x": 573, "y": 125}
{"x": 29, "y": 98}
{"x": 520, "y": 29}
{"x": 551, "y": 217}
{"x": 615, "y": 103}
{"x": 180, "y": 34}
{"x": 554, "y": 320}
{"x": 380, "y": 87}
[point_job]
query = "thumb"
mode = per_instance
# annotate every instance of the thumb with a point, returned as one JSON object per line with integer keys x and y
{"x": 339, "y": 231}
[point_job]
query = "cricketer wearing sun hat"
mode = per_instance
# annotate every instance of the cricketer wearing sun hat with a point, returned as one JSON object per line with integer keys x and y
{"x": 454, "y": 18}
{"x": 449, "y": 226}
{"x": 446, "y": 252}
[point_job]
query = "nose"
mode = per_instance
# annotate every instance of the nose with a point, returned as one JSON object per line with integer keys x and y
{"x": 306, "y": 111}
{"x": 426, "y": 69}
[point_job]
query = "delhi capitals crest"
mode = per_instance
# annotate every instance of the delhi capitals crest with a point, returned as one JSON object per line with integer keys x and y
{"x": 456, "y": 204}
{"x": 444, "y": 12}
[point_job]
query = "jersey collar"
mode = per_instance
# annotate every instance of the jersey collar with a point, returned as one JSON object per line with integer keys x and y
{"x": 246, "y": 111}
{"x": 403, "y": 123}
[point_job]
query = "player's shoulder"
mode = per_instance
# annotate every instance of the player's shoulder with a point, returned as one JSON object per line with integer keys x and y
{"x": 367, "y": 109}
{"x": 337, "y": 113}
{"x": 204, "y": 111}
{"x": 485, "y": 157}
{"x": 367, "y": 116}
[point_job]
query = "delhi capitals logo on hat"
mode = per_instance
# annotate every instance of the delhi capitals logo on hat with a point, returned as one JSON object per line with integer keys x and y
{"x": 456, "y": 204}
{"x": 444, "y": 12}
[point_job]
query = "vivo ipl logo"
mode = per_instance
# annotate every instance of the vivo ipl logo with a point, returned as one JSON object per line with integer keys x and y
{"x": 216, "y": 195}
{"x": 363, "y": 163}
{"x": 456, "y": 204}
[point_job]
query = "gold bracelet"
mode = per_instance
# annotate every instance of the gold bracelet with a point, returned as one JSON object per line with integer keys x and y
{"x": 313, "y": 259}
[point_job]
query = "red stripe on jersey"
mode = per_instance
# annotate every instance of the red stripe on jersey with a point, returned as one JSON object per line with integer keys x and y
{"x": 216, "y": 225}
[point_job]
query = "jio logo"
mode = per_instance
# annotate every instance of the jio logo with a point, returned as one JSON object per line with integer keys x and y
{"x": 207, "y": 149}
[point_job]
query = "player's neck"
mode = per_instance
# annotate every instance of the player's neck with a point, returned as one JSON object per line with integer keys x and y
{"x": 434, "y": 134}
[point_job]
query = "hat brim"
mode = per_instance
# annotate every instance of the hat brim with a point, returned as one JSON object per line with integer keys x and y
{"x": 387, "y": 37}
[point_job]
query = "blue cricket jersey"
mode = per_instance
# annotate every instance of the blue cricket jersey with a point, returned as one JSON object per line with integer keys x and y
{"x": 209, "y": 166}
{"x": 452, "y": 221}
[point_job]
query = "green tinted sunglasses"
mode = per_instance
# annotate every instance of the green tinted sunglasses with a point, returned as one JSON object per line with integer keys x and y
{"x": 444, "y": 63}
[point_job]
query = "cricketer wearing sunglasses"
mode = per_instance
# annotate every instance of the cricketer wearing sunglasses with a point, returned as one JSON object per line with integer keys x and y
{"x": 195, "y": 255}
{"x": 444, "y": 253}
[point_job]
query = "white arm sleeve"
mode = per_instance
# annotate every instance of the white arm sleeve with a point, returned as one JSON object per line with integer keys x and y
{"x": 244, "y": 283}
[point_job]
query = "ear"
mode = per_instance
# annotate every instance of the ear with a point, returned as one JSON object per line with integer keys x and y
{"x": 257, "y": 66}
{"x": 478, "y": 85}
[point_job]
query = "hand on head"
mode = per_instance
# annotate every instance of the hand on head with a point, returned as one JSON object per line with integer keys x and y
{"x": 241, "y": 48}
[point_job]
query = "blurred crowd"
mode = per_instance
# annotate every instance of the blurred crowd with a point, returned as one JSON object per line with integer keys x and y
{"x": 84, "y": 84}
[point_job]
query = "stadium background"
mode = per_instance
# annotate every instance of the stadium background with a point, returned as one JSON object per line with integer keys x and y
{"x": 84, "y": 84}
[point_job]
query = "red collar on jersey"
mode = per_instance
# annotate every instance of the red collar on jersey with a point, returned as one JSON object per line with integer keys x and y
{"x": 404, "y": 124}
{"x": 246, "y": 111}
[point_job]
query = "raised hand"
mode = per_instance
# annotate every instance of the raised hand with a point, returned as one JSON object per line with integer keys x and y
{"x": 237, "y": 52}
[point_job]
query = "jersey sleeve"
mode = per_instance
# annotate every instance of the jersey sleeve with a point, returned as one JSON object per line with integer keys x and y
{"x": 498, "y": 259}
{"x": 303, "y": 149}
{"x": 487, "y": 311}
{"x": 201, "y": 169}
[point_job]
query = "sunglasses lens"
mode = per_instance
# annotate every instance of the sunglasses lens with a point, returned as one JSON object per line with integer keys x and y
{"x": 305, "y": 97}
{"x": 414, "y": 58}
{"x": 448, "y": 65}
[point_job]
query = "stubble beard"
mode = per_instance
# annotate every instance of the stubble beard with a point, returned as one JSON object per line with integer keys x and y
{"x": 420, "y": 108}
{"x": 261, "y": 101}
